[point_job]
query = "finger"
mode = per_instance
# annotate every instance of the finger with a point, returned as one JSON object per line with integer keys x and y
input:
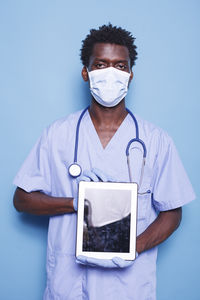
{"x": 81, "y": 259}
{"x": 94, "y": 262}
{"x": 121, "y": 263}
{"x": 83, "y": 178}
{"x": 91, "y": 175}
{"x": 103, "y": 177}
{"x": 85, "y": 261}
{"x": 100, "y": 174}
{"x": 105, "y": 263}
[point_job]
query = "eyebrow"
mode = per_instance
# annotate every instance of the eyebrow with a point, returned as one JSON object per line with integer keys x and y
{"x": 104, "y": 60}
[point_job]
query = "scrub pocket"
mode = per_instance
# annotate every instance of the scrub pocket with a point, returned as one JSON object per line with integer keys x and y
{"x": 64, "y": 278}
{"x": 143, "y": 211}
{"x": 144, "y": 200}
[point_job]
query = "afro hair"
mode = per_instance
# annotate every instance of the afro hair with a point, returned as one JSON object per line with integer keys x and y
{"x": 108, "y": 34}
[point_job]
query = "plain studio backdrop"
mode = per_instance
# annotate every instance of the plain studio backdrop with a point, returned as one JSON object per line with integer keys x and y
{"x": 40, "y": 81}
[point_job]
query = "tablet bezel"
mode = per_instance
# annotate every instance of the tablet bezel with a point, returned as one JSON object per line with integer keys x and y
{"x": 133, "y": 188}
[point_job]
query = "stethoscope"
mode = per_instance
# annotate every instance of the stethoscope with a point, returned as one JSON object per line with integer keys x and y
{"x": 75, "y": 169}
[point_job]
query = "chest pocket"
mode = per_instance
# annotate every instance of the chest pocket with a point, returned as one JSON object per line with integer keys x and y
{"x": 144, "y": 201}
{"x": 143, "y": 211}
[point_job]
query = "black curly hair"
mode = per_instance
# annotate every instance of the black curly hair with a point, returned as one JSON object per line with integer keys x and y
{"x": 108, "y": 34}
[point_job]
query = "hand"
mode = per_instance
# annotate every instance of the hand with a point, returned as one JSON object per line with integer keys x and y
{"x": 75, "y": 203}
{"x": 93, "y": 175}
{"x": 115, "y": 262}
{"x": 82, "y": 177}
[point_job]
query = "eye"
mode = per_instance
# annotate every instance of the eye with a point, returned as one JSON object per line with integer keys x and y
{"x": 100, "y": 65}
{"x": 122, "y": 67}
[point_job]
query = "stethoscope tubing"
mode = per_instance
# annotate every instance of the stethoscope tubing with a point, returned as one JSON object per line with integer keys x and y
{"x": 136, "y": 139}
{"x": 77, "y": 135}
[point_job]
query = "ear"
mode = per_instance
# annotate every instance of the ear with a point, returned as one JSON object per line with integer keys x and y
{"x": 84, "y": 74}
{"x": 131, "y": 76}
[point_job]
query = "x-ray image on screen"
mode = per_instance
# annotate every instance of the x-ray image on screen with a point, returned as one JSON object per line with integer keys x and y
{"x": 106, "y": 221}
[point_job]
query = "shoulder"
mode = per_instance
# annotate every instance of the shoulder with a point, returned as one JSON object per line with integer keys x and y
{"x": 150, "y": 131}
{"x": 70, "y": 119}
{"x": 156, "y": 139}
{"x": 60, "y": 130}
{"x": 63, "y": 125}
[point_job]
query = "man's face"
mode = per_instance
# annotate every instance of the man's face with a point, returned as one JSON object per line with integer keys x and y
{"x": 107, "y": 55}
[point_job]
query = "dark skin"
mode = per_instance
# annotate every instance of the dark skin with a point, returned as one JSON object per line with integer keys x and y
{"x": 106, "y": 122}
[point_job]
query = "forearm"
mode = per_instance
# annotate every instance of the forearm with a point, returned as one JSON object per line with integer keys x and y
{"x": 37, "y": 203}
{"x": 164, "y": 225}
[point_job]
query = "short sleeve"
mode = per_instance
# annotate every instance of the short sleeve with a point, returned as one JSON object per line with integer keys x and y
{"x": 34, "y": 174}
{"x": 171, "y": 188}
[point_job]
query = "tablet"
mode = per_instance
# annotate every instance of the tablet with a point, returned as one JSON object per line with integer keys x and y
{"x": 106, "y": 220}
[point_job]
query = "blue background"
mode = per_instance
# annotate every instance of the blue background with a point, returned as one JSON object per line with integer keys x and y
{"x": 40, "y": 81}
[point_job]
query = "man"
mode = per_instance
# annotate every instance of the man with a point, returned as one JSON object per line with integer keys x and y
{"x": 45, "y": 186}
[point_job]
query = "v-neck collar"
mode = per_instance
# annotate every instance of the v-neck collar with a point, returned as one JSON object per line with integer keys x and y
{"x": 94, "y": 134}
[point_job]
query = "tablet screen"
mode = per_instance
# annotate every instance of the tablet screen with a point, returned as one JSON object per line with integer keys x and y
{"x": 106, "y": 222}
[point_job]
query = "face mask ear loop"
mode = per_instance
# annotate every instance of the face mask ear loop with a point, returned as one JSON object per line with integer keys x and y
{"x": 129, "y": 81}
{"x": 88, "y": 76}
{"x": 88, "y": 72}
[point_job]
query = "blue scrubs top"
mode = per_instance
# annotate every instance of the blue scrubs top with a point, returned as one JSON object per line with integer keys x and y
{"x": 45, "y": 169}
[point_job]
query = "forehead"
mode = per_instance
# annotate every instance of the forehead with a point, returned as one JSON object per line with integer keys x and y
{"x": 110, "y": 52}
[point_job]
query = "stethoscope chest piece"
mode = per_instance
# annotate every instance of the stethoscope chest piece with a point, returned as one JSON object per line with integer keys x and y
{"x": 75, "y": 170}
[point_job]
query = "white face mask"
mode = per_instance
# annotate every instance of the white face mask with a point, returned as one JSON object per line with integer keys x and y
{"x": 108, "y": 86}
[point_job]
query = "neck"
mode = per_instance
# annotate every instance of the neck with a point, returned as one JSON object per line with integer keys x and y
{"x": 102, "y": 115}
